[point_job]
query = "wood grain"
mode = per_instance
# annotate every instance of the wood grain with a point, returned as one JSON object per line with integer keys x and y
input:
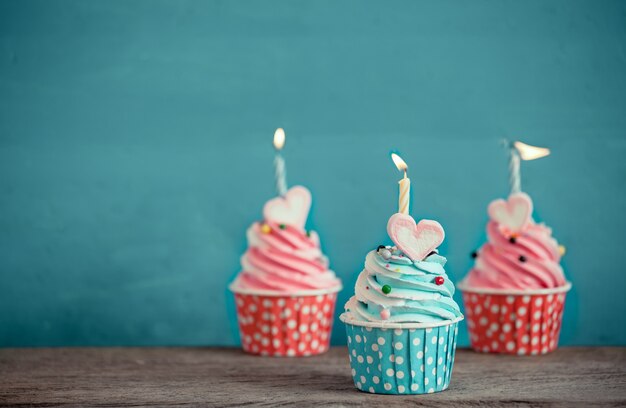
{"x": 228, "y": 377}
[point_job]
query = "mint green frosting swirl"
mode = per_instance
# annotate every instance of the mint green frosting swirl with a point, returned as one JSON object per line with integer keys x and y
{"x": 414, "y": 295}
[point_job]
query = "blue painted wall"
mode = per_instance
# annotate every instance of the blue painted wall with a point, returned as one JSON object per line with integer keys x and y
{"x": 135, "y": 148}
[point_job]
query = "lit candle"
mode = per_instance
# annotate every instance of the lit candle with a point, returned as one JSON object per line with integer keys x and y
{"x": 522, "y": 151}
{"x": 405, "y": 185}
{"x": 279, "y": 162}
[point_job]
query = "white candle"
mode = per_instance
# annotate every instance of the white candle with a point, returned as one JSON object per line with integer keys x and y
{"x": 521, "y": 151}
{"x": 280, "y": 173}
{"x": 405, "y": 185}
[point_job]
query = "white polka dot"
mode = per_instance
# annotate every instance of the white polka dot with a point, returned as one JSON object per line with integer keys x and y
{"x": 521, "y": 311}
{"x": 387, "y": 386}
{"x": 303, "y": 328}
{"x": 416, "y": 341}
{"x": 389, "y": 372}
{"x": 440, "y": 360}
{"x": 375, "y": 347}
{"x": 537, "y": 315}
{"x": 429, "y": 360}
{"x": 526, "y": 299}
{"x": 534, "y": 341}
{"x": 495, "y": 309}
{"x": 252, "y": 307}
{"x": 510, "y": 299}
{"x": 265, "y": 341}
{"x": 494, "y": 326}
{"x": 291, "y": 324}
{"x": 353, "y": 352}
{"x": 506, "y": 327}
{"x": 434, "y": 371}
{"x": 521, "y": 351}
{"x": 398, "y": 346}
{"x": 296, "y": 335}
{"x": 426, "y": 381}
{"x": 306, "y": 309}
{"x": 441, "y": 340}
{"x": 314, "y": 326}
{"x": 550, "y": 297}
{"x": 369, "y": 329}
{"x": 422, "y": 368}
{"x": 359, "y": 359}
{"x": 510, "y": 346}
{"x": 420, "y": 354}
{"x": 392, "y": 358}
{"x": 429, "y": 330}
{"x": 375, "y": 379}
{"x": 431, "y": 390}
{"x": 439, "y": 381}
{"x": 301, "y": 347}
{"x": 315, "y": 343}
{"x": 353, "y": 372}
{"x": 400, "y": 374}
{"x": 358, "y": 385}
{"x": 518, "y": 324}
{"x": 414, "y": 387}
{"x": 538, "y": 302}
{"x": 478, "y": 309}
{"x": 257, "y": 336}
{"x": 372, "y": 390}
{"x": 398, "y": 332}
{"x": 536, "y": 327}
{"x": 399, "y": 360}
{"x": 369, "y": 359}
{"x": 400, "y": 388}
{"x": 265, "y": 328}
{"x": 357, "y": 338}
{"x": 363, "y": 379}
{"x": 381, "y": 341}
{"x": 525, "y": 339}
{"x": 434, "y": 340}
{"x": 291, "y": 352}
{"x": 276, "y": 343}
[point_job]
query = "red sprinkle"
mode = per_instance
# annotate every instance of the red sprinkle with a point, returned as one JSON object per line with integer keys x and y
{"x": 387, "y": 266}
{"x": 439, "y": 280}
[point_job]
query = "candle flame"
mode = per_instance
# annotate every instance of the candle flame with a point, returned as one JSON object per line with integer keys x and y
{"x": 528, "y": 152}
{"x": 400, "y": 164}
{"x": 279, "y": 138}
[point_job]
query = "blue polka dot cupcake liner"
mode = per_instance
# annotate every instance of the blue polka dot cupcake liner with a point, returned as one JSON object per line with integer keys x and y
{"x": 402, "y": 360}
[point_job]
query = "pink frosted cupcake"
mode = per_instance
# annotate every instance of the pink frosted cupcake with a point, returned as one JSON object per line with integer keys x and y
{"x": 514, "y": 294}
{"x": 285, "y": 293}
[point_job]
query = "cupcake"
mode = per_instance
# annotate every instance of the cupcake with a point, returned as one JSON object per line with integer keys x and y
{"x": 515, "y": 293}
{"x": 285, "y": 292}
{"x": 402, "y": 321}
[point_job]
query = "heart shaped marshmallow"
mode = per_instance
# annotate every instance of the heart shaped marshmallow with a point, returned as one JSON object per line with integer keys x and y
{"x": 291, "y": 209}
{"x": 513, "y": 214}
{"x": 415, "y": 240}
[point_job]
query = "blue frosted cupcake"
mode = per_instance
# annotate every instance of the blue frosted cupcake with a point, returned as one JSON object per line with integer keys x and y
{"x": 402, "y": 321}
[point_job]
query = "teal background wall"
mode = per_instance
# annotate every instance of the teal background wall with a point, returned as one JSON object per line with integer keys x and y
{"x": 135, "y": 148}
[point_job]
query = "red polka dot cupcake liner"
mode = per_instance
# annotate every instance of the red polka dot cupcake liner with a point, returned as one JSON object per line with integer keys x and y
{"x": 286, "y": 326}
{"x": 514, "y": 322}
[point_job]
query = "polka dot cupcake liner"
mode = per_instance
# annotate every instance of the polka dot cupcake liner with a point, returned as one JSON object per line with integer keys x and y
{"x": 514, "y": 323}
{"x": 285, "y": 326}
{"x": 401, "y": 360}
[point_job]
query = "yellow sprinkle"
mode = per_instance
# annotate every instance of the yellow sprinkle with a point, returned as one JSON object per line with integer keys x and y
{"x": 397, "y": 269}
{"x": 562, "y": 250}
{"x": 265, "y": 229}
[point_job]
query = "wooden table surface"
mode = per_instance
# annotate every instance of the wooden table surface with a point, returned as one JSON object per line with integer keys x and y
{"x": 228, "y": 377}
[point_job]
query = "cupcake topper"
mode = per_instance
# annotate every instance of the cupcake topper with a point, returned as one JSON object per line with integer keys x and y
{"x": 521, "y": 151}
{"x": 416, "y": 241}
{"x": 290, "y": 209}
{"x": 405, "y": 185}
{"x": 279, "y": 163}
{"x": 513, "y": 214}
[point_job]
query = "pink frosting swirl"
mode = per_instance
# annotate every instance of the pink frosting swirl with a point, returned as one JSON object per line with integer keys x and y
{"x": 284, "y": 260}
{"x": 526, "y": 260}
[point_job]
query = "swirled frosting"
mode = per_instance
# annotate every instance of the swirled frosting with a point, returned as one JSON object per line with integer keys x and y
{"x": 393, "y": 288}
{"x": 285, "y": 259}
{"x": 527, "y": 259}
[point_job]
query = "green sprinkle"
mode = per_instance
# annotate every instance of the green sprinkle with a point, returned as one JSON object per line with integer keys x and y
{"x": 308, "y": 234}
{"x": 386, "y": 289}
{"x": 282, "y": 226}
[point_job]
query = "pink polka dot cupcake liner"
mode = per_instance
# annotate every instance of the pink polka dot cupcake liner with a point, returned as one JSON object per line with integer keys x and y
{"x": 514, "y": 322}
{"x": 399, "y": 359}
{"x": 285, "y": 326}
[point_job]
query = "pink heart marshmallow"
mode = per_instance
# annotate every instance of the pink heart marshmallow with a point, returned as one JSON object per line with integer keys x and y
{"x": 415, "y": 240}
{"x": 291, "y": 209}
{"x": 514, "y": 214}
